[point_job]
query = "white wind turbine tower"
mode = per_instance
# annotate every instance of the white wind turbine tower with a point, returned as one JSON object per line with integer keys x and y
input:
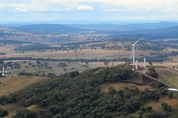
{"x": 133, "y": 50}
{"x": 3, "y": 72}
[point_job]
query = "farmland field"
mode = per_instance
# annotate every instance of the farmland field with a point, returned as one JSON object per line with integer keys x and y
{"x": 13, "y": 83}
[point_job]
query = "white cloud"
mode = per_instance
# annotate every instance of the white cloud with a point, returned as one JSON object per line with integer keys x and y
{"x": 149, "y": 8}
{"x": 112, "y": 10}
{"x": 142, "y": 9}
{"x": 83, "y": 7}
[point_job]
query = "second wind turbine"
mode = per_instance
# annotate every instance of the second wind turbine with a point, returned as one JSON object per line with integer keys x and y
{"x": 133, "y": 50}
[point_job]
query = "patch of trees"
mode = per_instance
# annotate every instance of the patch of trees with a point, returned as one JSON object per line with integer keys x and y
{"x": 25, "y": 113}
{"x": 28, "y": 74}
{"x": 42, "y": 47}
{"x": 102, "y": 45}
{"x": 14, "y": 65}
{"x": 1, "y": 53}
{"x": 13, "y": 42}
{"x": 166, "y": 107}
{"x": 62, "y": 59}
{"x": 37, "y": 47}
{"x": 5, "y": 34}
{"x": 156, "y": 58}
{"x": 3, "y": 112}
{"x": 152, "y": 72}
{"x": 148, "y": 47}
{"x": 77, "y": 94}
{"x": 62, "y": 65}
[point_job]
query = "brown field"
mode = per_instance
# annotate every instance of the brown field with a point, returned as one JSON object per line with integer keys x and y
{"x": 14, "y": 83}
{"x": 85, "y": 54}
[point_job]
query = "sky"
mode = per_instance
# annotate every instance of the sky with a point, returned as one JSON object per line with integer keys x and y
{"x": 94, "y": 10}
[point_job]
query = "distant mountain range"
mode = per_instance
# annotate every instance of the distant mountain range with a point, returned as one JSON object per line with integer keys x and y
{"x": 150, "y": 31}
{"x": 47, "y": 28}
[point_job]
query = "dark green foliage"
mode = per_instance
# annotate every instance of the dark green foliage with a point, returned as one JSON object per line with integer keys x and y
{"x": 24, "y": 113}
{"x": 112, "y": 91}
{"x": 152, "y": 72}
{"x": 157, "y": 85}
{"x": 62, "y": 65}
{"x": 141, "y": 113}
{"x": 28, "y": 74}
{"x": 1, "y": 53}
{"x": 3, "y": 112}
{"x": 13, "y": 42}
{"x": 166, "y": 107}
{"x": 77, "y": 94}
{"x": 143, "y": 109}
{"x": 3, "y": 99}
{"x": 33, "y": 47}
{"x": 170, "y": 94}
{"x": 51, "y": 75}
{"x": 154, "y": 114}
{"x": 115, "y": 74}
{"x": 149, "y": 108}
{"x": 120, "y": 93}
{"x": 74, "y": 74}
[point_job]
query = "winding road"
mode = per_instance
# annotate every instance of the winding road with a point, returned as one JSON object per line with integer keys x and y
{"x": 144, "y": 73}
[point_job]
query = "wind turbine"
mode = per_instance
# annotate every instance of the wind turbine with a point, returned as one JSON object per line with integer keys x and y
{"x": 133, "y": 50}
{"x": 3, "y": 72}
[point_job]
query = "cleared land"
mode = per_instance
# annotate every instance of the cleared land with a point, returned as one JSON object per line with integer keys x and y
{"x": 13, "y": 83}
{"x": 168, "y": 75}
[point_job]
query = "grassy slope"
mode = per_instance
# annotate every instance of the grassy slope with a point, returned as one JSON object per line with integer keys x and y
{"x": 169, "y": 75}
{"x": 14, "y": 83}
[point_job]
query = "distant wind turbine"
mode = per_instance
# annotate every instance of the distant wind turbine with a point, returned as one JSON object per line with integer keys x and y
{"x": 133, "y": 50}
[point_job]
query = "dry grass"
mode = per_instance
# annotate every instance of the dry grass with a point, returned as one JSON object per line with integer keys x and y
{"x": 121, "y": 85}
{"x": 14, "y": 83}
{"x": 169, "y": 75}
{"x": 157, "y": 105}
{"x": 86, "y": 53}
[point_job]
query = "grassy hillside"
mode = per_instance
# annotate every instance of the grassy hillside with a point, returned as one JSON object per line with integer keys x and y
{"x": 13, "y": 83}
{"x": 85, "y": 95}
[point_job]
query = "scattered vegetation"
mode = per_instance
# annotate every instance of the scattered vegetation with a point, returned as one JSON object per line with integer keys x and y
{"x": 55, "y": 98}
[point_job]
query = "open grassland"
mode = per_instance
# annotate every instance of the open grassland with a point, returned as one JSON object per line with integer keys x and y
{"x": 13, "y": 83}
{"x": 11, "y": 107}
{"x": 169, "y": 75}
{"x": 173, "y": 80}
{"x": 85, "y": 53}
{"x": 157, "y": 105}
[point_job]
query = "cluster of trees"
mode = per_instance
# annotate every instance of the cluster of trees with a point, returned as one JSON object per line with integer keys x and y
{"x": 63, "y": 59}
{"x": 77, "y": 94}
{"x": 152, "y": 72}
{"x": 62, "y": 65}
{"x": 1, "y": 53}
{"x": 28, "y": 74}
{"x": 102, "y": 45}
{"x": 13, "y": 42}
{"x": 37, "y": 47}
{"x": 3, "y": 112}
